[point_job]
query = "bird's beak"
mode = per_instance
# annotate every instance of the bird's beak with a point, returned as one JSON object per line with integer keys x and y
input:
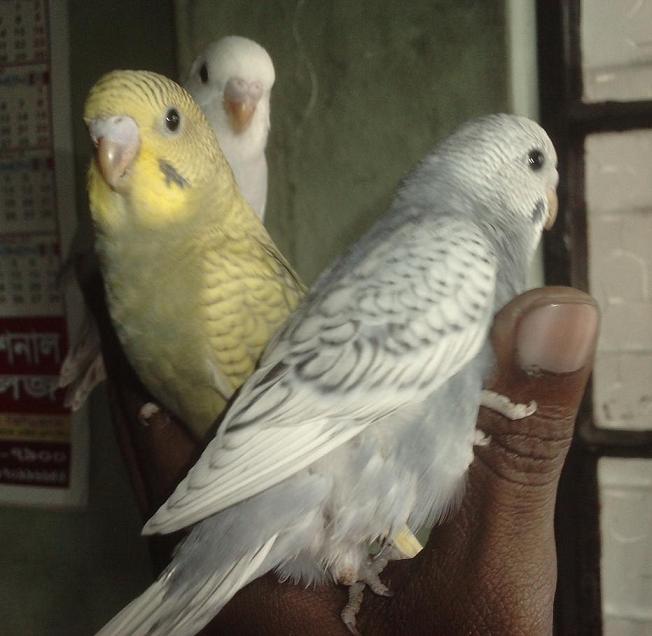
{"x": 553, "y": 206}
{"x": 117, "y": 142}
{"x": 240, "y": 101}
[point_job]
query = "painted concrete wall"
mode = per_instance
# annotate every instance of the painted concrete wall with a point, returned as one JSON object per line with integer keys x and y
{"x": 363, "y": 90}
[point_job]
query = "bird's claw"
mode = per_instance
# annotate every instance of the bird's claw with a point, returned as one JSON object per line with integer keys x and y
{"x": 147, "y": 411}
{"x": 369, "y": 578}
{"x": 503, "y": 405}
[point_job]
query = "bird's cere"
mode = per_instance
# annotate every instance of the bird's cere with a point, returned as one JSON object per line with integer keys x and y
{"x": 116, "y": 142}
{"x": 240, "y": 100}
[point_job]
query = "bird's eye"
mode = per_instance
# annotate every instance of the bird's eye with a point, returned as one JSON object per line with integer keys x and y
{"x": 203, "y": 73}
{"x": 172, "y": 120}
{"x": 535, "y": 159}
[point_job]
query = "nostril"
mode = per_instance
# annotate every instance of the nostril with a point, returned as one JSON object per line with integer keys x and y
{"x": 118, "y": 128}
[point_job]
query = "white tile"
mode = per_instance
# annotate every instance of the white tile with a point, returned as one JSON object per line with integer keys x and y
{"x": 616, "y": 49}
{"x": 620, "y": 263}
{"x": 617, "y": 275}
{"x": 618, "y": 171}
{"x": 622, "y": 391}
{"x": 626, "y": 327}
{"x": 619, "y": 225}
{"x": 626, "y": 529}
{"x": 625, "y": 627}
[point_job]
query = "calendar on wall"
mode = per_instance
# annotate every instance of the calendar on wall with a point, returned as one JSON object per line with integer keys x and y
{"x": 43, "y": 447}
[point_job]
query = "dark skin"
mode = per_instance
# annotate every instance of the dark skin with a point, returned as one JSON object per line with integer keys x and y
{"x": 491, "y": 567}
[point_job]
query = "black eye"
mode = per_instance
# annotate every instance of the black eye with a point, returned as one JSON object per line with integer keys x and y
{"x": 172, "y": 120}
{"x": 535, "y": 159}
{"x": 203, "y": 73}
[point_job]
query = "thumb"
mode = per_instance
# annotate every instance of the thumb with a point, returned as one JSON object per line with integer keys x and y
{"x": 491, "y": 569}
{"x": 544, "y": 342}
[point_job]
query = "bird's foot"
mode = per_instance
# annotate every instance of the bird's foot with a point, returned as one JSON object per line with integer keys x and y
{"x": 148, "y": 411}
{"x": 372, "y": 575}
{"x": 350, "y": 612}
{"x": 368, "y": 577}
{"x": 480, "y": 438}
{"x": 502, "y": 404}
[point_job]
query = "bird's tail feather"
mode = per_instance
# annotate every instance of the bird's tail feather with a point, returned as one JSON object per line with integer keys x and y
{"x": 138, "y": 616}
{"x": 169, "y": 608}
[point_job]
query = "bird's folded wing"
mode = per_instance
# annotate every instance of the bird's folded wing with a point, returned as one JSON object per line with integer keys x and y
{"x": 385, "y": 328}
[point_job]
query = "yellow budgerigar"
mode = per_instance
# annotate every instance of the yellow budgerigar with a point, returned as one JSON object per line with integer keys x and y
{"x": 195, "y": 285}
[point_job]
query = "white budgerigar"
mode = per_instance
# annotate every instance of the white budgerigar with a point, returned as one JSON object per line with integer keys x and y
{"x": 232, "y": 81}
{"x": 361, "y": 417}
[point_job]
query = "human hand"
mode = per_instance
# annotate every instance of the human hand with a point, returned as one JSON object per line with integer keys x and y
{"x": 491, "y": 568}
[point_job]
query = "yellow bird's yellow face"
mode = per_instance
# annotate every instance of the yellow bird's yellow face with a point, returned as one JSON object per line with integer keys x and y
{"x": 155, "y": 152}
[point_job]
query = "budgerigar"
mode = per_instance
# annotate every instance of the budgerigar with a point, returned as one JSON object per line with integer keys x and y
{"x": 361, "y": 416}
{"x": 232, "y": 81}
{"x": 195, "y": 286}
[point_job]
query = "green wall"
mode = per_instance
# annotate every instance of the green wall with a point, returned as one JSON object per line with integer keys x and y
{"x": 363, "y": 90}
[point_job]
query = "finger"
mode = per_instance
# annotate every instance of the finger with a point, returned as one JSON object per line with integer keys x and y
{"x": 157, "y": 455}
{"x": 159, "y": 448}
{"x": 544, "y": 342}
{"x": 492, "y": 567}
{"x": 269, "y": 608}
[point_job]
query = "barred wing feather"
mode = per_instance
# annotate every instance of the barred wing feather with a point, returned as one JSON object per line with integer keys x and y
{"x": 391, "y": 324}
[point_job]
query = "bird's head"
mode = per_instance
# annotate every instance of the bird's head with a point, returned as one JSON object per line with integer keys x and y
{"x": 153, "y": 148}
{"x": 232, "y": 81}
{"x": 502, "y": 169}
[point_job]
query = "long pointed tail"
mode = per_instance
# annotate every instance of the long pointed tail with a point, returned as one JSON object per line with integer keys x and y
{"x": 173, "y": 606}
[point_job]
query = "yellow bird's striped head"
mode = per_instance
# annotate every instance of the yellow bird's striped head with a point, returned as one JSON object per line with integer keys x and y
{"x": 156, "y": 156}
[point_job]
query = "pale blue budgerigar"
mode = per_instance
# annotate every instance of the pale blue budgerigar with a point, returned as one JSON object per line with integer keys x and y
{"x": 361, "y": 417}
{"x": 231, "y": 80}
